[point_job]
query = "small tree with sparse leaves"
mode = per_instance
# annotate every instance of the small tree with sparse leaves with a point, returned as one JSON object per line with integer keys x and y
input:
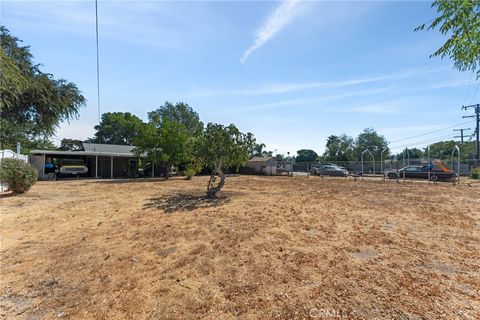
{"x": 220, "y": 148}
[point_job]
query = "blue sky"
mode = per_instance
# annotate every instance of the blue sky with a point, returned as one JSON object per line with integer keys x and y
{"x": 290, "y": 72}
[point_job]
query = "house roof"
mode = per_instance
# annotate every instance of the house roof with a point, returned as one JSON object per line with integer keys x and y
{"x": 109, "y": 148}
{"x": 93, "y": 149}
{"x": 260, "y": 159}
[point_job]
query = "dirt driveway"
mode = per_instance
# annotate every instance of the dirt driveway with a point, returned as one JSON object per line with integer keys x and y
{"x": 268, "y": 248}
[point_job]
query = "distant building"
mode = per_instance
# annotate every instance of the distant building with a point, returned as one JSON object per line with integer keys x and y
{"x": 263, "y": 165}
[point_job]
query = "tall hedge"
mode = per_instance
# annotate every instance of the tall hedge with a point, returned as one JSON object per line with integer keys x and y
{"x": 17, "y": 174}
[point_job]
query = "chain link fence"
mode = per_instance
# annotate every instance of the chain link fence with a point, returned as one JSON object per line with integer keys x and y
{"x": 378, "y": 167}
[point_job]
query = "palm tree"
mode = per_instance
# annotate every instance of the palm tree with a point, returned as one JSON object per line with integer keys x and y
{"x": 258, "y": 149}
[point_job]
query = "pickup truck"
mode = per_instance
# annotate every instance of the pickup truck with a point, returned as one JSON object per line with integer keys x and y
{"x": 72, "y": 167}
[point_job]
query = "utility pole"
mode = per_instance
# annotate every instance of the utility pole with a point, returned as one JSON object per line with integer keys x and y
{"x": 476, "y": 107}
{"x": 461, "y": 133}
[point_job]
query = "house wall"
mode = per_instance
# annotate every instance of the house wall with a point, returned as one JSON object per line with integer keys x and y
{"x": 268, "y": 167}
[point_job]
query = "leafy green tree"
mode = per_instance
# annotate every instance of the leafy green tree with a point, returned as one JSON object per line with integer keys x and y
{"x": 33, "y": 103}
{"x": 174, "y": 140}
{"x": 170, "y": 137}
{"x": 71, "y": 145}
{"x": 118, "y": 128}
{"x": 460, "y": 20}
{"x": 371, "y": 140}
{"x": 179, "y": 112}
{"x": 442, "y": 150}
{"x": 223, "y": 147}
{"x": 306, "y": 155}
{"x": 149, "y": 144}
{"x": 415, "y": 153}
{"x": 339, "y": 148}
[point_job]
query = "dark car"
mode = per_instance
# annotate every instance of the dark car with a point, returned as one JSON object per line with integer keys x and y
{"x": 422, "y": 172}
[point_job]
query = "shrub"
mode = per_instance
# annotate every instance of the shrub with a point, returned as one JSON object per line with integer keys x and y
{"x": 17, "y": 174}
{"x": 189, "y": 173}
{"x": 475, "y": 173}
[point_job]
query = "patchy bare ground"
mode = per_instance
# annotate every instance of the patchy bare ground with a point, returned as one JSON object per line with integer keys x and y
{"x": 268, "y": 248}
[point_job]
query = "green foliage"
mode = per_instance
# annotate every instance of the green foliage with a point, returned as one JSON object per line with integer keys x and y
{"x": 443, "y": 150}
{"x": 220, "y": 148}
{"x": 189, "y": 173}
{"x": 258, "y": 150}
{"x": 225, "y": 147}
{"x": 174, "y": 139}
{"x": 17, "y": 174}
{"x": 118, "y": 128}
{"x": 475, "y": 173}
{"x": 179, "y": 112}
{"x": 71, "y": 145}
{"x": 339, "y": 148}
{"x": 149, "y": 143}
{"x": 371, "y": 140}
{"x": 306, "y": 155}
{"x": 33, "y": 103}
{"x": 460, "y": 20}
{"x": 171, "y": 135}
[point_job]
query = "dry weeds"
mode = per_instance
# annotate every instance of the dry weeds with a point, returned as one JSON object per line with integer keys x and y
{"x": 269, "y": 248}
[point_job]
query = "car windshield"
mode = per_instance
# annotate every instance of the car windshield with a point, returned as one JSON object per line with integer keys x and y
{"x": 73, "y": 162}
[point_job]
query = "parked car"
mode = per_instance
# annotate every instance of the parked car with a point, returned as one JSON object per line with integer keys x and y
{"x": 329, "y": 170}
{"x": 72, "y": 167}
{"x": 422, "y": 172}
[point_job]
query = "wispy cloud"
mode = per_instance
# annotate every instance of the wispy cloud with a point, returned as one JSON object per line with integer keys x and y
{"x": 155, "y": 24}
{"x": 308, "y": 102}
{"x": 386, "y": 107}
{"x": 279, "y": 88}
{"x": 273, "y": 24}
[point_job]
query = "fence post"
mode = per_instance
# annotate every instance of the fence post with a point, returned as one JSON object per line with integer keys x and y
{"x": 381, "y": 162}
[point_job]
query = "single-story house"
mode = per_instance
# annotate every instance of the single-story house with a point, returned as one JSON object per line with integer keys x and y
{"x": 102, "y": 160}
{"x": 263, "y": 165}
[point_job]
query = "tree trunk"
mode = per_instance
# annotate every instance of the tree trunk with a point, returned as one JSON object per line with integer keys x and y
{"x": 216, "y": 182}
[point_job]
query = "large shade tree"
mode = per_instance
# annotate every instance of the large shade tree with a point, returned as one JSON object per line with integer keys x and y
{"x": 33, "y": 103}
{"x": 118, "y": 128}
{"x": 371, "y": 140}
{"x": 460, "y": 21}
{"x": 223, "y": 147}
{"x": 170, "y": 136}
{"x": 443, "y": 150}
{"x": 179, "y": 112}
{"x": 306, "y": 155}
{"x": 339, "y": 148}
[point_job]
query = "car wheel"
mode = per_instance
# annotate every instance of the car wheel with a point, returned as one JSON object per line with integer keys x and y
{"x": 392, "y": 176}
{"x": 434, "y": 178}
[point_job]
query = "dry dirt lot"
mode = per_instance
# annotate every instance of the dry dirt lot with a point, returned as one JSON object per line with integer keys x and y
{"x": 268, "y": 248}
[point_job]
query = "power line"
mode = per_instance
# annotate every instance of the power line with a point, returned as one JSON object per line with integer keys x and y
{"x": 476, "y": 115}
{"x": 422, "y": 142}
{"x": 461, "y": 133}
{"x": 98, "y": 62}
{"x": 430, "y": 132}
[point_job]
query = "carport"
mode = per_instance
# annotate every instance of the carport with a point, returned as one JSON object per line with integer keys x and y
{"x": 102, "y": 160}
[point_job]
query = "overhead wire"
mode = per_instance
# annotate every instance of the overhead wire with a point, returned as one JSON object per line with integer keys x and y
{"x": 430, "y": 132}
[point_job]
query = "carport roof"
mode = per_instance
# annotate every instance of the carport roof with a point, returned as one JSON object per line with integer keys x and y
{"x": 93, "y": 149}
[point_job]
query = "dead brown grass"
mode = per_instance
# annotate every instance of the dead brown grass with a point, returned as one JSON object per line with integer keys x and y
{"x": 269, "y": 248}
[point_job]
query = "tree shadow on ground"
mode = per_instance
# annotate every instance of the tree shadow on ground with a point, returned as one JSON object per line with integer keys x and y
{"x": 133, "y": 180}
{"x": 185, "y": 202}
